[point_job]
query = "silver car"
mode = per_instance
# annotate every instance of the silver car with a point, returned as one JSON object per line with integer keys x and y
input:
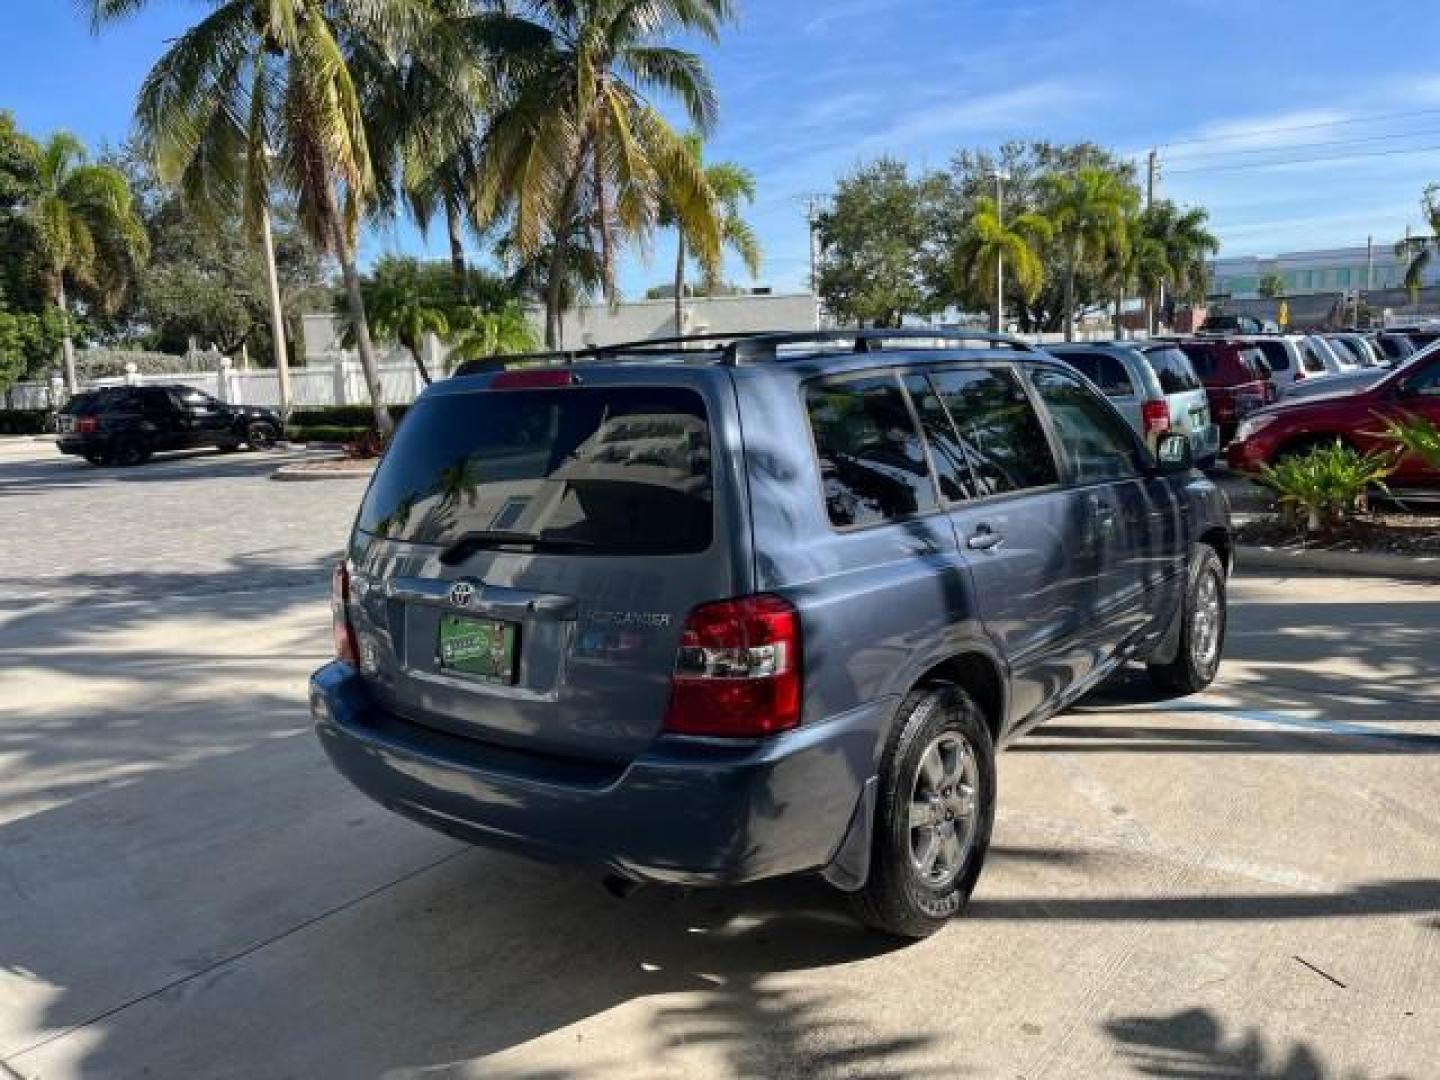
{"x": 1155, "y": 387}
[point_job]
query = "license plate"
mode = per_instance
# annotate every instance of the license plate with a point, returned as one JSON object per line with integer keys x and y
{"x": 478, "y": 648}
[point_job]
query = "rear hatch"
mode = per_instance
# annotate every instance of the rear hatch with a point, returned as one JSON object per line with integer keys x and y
{"x": 527, "y": 553}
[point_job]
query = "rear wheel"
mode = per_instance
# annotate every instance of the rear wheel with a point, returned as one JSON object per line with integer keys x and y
{"x": 934, "y": 816}
{"x": 260, "y": 435}
{"x": 1202, "y": 628}
{"x": 95, "y": 458}
{"x": 130, "y": 451}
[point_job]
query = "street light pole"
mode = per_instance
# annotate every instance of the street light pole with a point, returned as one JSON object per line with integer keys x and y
{"x": 999, "y": 323}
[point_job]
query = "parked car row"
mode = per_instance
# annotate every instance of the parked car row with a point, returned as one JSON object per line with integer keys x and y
{"x": 125, "y": 425}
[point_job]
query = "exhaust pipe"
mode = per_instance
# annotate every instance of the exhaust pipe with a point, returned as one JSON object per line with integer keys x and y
{"x": 621, "y": 887}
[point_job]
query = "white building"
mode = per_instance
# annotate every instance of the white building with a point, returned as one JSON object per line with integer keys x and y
{"x": 1304, "y": 272}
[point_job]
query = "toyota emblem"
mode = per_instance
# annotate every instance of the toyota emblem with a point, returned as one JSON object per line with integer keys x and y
{"x": 461, "y": 593}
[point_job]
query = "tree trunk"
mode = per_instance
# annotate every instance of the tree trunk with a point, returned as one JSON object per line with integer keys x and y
{"x": 1069, "y": 313}
{"x": 554, "y": 292}
{"x": 1119, "y": 330}
{"x": 679, "y": 282}
{"x": 607, "y": 255}
{"x": 455, "y": 226}
{"x": 417, "y": 353}
{"x": 363, "y": 344}
{"x": 67, "y": 346}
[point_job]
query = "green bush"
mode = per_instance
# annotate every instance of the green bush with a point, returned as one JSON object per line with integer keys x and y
{"x": 24, "y": 421}
{"x": 1329, "y": 485}
{"x": 336, "y": 433}
{"x": 360, "y": 416}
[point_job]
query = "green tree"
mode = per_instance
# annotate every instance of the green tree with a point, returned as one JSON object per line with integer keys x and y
{"x": 86, "y": 232}
{"x": 992, "y": 242}
{"x": 1187, "y": 243}
{"x": 574, "y": 135}
{"x": 1091, "y": 208}
{"x": 1419, "y": 250}
{"x": 733, "y": 186}
{"x": 260, "y": 93}
{"x": 1272, "y": 286}
{"x": 871, "y": 237}
{"x": 401, "y": 307}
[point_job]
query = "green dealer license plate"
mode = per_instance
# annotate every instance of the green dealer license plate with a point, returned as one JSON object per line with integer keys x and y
{"x": 478, "y": 648}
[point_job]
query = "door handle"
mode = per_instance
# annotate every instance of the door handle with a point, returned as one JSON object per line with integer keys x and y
{"x": 1105, "y": 515}
{"x": 984, "y": 538}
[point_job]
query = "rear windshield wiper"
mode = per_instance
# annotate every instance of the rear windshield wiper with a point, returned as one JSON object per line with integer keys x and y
{"x": 482, "y": 539}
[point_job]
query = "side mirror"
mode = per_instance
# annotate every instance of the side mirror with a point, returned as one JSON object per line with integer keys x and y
{"x": 1174, "y": 453}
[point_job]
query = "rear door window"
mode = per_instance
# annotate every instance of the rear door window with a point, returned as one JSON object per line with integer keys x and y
{"x": 1105, "y": 371}
{"x": 1002, "y": 435}
{"x": 593, "y": 470}
{"x": 872, "y": 460}
{"x": 1097, "y": 440}
{"x": 1173, "y": 369}
{"x": 1202, "y": 359}
{"x": 1275, "y": 354}
{"x": 947, "y": 452}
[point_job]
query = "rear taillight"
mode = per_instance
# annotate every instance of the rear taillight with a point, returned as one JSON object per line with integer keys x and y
{"x": 738, "y": 669}
{"x": 87, "y": 423}
{"x": 343, "y": 629}
{"x": 1155, "y": 416}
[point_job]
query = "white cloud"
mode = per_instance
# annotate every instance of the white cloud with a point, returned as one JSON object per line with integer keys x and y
{"x": 981, "y": 113}
{"x": 1261, "y": 132}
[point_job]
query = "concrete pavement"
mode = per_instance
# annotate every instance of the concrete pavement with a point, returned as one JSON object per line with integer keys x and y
{"x": 1244, "y": 884}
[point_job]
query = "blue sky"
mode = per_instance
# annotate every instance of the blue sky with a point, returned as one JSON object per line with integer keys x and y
{"x": 810, "y": 89}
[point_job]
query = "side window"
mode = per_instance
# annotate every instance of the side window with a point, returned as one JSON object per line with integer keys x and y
{"x": 1105, "y": 371}
{"x": 872, "y": 461}
{"x": 1275, "y": 355}
{"x": 947, "y": 453}
{"x": 1314, "y": 363}
{"x": 1097, "y": 440}
{"x": 1424, "y": 383}
{"x": 1003, "y": 437}
{"x": 157, "y": 402}
{"x": 1172, "y": 368}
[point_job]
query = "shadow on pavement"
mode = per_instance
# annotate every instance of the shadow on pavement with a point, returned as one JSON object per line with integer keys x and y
{"x": 1191, "y": 1044}
{"x": 33, "y": 475}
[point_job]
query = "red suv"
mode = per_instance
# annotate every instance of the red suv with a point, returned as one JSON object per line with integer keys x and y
{"x": 1353, "y": 417}
{"x": 1236, "y": 377}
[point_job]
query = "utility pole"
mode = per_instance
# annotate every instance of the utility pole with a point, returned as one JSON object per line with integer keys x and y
{"x": 813, "y": 203}
{"x": 1369, "y": 263}
{"x": 277, "y": 313}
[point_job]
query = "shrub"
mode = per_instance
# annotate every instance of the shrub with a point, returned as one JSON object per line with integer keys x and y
{"x": 332, "y": 433}
{"x": 1329, "y": 485}
{"x": 356, "y": 416}
{"x": 24, "y": 421}
{"x": 1413, "y": 435}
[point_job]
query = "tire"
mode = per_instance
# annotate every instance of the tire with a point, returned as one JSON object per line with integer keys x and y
{"x": 260, "y": 435}
{"x": 96, "y": 458}
{"x": 933, "y": 725}
{"x": 130, "y": 451}
{"x": 1202, "y": 636}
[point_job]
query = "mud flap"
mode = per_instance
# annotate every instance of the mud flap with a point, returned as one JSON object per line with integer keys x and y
{"x": 849, "y": 867}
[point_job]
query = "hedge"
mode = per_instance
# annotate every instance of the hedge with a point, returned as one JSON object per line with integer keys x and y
{"x": 361, "y": 416}
{"x": 24, "y": 421}
{"x": 324, "y": 433}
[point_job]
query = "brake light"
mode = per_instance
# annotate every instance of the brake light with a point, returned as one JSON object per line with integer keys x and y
{"x": 1155, "y": 416}
{"x": 344, "y": 630}
{"x": 533, "y": 379}
{"x": 87, "y": 423}
{"x": 737, "y": 672}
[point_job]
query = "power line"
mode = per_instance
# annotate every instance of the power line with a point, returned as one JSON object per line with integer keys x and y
{"x": 1397, "y": 152}
{"x": 1299, "y": 147}
{"x": 1302, "y": 127}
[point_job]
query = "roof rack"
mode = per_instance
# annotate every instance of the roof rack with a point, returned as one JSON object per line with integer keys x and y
{"x": 744, "y": 346}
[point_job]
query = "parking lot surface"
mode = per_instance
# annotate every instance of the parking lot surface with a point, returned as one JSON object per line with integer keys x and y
{"x": 1242, "y": 884}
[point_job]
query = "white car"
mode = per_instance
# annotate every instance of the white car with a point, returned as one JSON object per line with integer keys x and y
{"x": 1293, "y": 359}
{"x": 1337, "y": 359}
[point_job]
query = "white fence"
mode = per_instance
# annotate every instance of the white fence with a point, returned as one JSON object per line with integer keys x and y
{"x": 339, "y": 382}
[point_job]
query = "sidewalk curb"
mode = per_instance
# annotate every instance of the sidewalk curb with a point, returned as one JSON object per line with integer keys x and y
{"x": 1414, "y": 567}
{"x": 298, "y": 472}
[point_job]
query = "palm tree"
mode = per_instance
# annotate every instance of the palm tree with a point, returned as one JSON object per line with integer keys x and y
{"x": 261, "y": 92}
{"x": 1185, "y": 236}
{"x": 573, "y": 131}
{"x": 87, "y": 229}
{"x": 1088, "y": 208}
{"x": 732, "y": 185}
{"x": 399, "y": 310}
{"x": 477, "y": 334}
{"x": 1418, "y": 249}
{"x": 1139, "y": 260}
{"x": 989, "y": 242}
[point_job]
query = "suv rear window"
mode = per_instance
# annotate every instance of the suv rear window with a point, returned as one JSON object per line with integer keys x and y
{"x": 96, "y": 401}
{"x": 1172, "y": 368}
{"x": 1275, "y": 354}
{"x": 1105, "y": 371}
{"x": 1202, "y": 358}
{"x": 601, "y": 470}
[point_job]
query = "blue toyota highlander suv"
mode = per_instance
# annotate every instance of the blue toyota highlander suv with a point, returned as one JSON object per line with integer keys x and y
{"x": 716, "y": 610}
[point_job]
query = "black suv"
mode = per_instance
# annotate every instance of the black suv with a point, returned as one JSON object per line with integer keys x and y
{"x": 124, "y": 425}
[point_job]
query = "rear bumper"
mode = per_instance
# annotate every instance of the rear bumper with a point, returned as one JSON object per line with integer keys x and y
{"x": 83, "y": 444}
{"x": 686, "y": 811}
